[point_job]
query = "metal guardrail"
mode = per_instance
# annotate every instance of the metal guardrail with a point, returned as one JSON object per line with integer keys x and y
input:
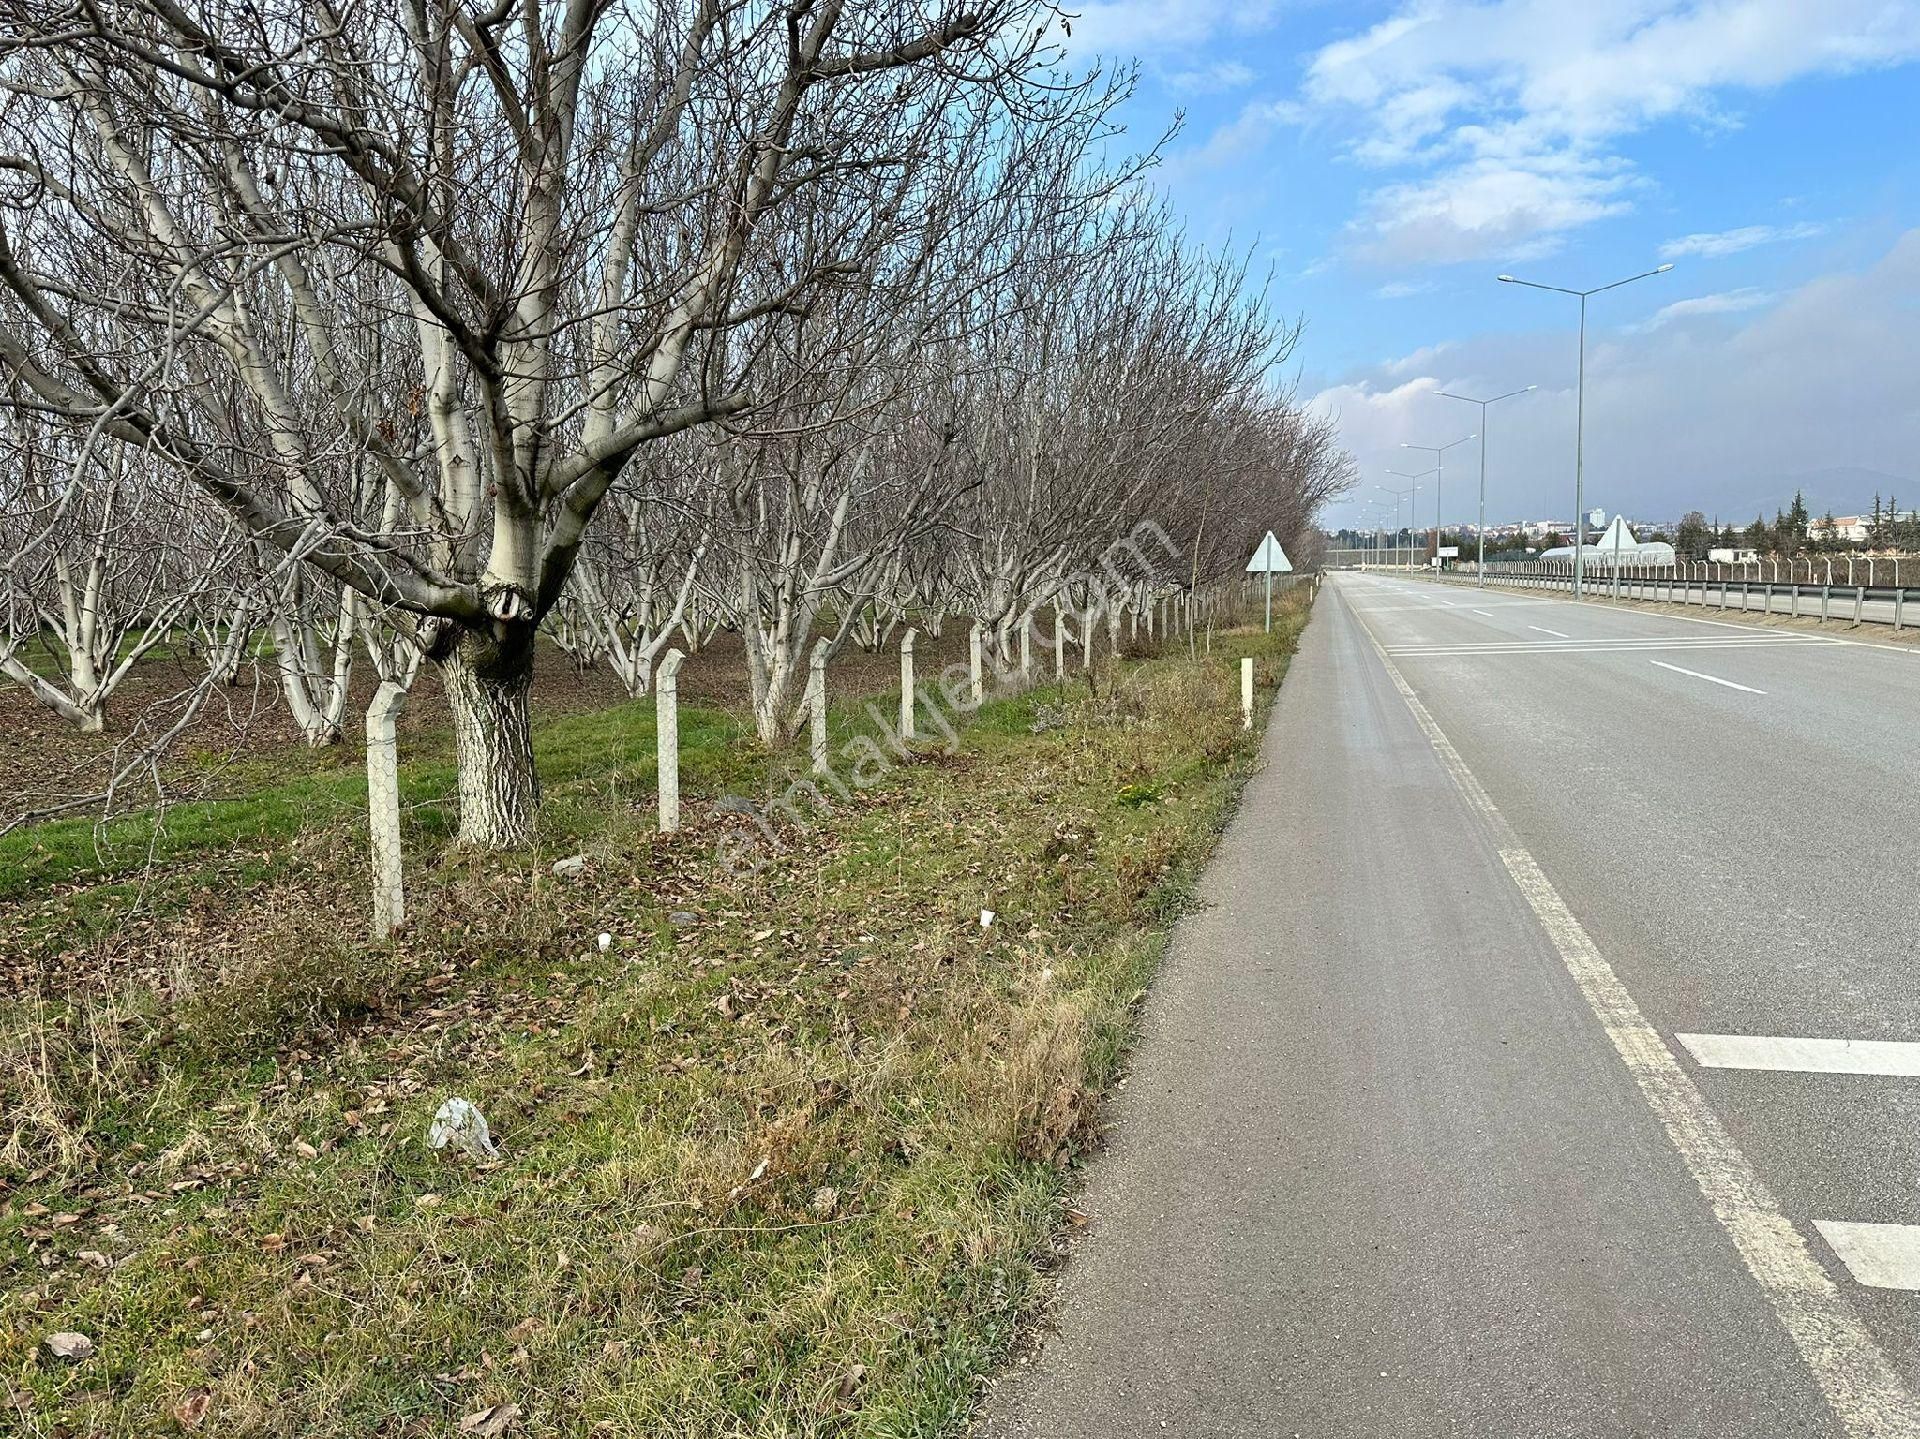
{"x": 1855, "y": 604}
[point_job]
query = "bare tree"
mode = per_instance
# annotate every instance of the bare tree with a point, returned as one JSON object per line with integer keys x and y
{"x": 496, "y": 252}
{"x": 98, "y": 569}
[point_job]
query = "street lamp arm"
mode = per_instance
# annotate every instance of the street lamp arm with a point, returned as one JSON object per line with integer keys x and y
{"x": 1644, "y": 274}
{"x": 1536, "y": 285}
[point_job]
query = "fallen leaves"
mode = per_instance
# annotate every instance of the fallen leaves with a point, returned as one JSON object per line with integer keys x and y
{"x": 190, "y": 1411}
{"x": 491, "y": 1422}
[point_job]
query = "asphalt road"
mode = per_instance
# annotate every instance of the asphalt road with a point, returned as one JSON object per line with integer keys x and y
{"x": 1412, "y": 1145}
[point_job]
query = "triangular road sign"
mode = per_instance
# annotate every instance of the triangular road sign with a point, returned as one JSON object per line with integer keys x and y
{"x": 1270, "y": 558}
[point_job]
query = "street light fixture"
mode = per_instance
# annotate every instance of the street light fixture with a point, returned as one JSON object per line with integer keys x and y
{"x": 1439, "y": 453}
{"x": 1480, "y": 562}
{"x": 1580, "y": 412}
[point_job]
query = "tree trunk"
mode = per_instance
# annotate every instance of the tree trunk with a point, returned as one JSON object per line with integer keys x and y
{"x": 488, "y": 681}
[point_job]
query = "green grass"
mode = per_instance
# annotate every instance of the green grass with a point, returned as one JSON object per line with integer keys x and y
{"x": 791, "y": 1169}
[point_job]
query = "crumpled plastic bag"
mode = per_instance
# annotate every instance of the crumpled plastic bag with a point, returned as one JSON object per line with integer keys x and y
{"x": 460, "y": 1123}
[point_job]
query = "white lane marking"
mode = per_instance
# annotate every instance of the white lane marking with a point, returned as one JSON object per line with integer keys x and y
{"x": 1545, "y": 631}
{"x": 1804, "y": 1056}
{"x": 1880, "y": 1256}
{"x": 1487, "y": 613}
{"x": 1710, "y": 679}
{"x": 1868, "y": 1397}
{"x": 1584, "y": 647}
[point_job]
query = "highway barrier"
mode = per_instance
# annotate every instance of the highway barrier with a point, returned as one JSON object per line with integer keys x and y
{"x": 1896, "y": 605}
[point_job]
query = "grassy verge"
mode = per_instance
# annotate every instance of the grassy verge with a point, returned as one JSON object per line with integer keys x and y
{"x": 784, "y": 1159}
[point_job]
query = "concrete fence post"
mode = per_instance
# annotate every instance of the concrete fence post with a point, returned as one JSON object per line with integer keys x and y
{"x": 383, "y": 809}
{"x": 666, "y": 737}
{"x": 1246, "y": 693}
{"x": 1059, "y": 643}
{"x": 817, "y": 700}
{"x": 1026, "y": 649}
{"x": 974, "y": 670}
{"x": 1086, "y": 638}
{"x": 906, "y": 685}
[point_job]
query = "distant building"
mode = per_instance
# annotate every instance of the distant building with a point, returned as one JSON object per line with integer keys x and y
{"x": 1617, "y": 545}
{"x": 1732, "y": 557}
{"x": 1855, "y": 529}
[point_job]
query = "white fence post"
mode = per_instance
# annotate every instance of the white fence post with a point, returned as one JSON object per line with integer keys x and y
{"x": 1059, "y": 643}
{"x": 979, "y": 689}
{"x": 383, "y": 809}
{"x": 1026, "y": 649}
{"x": 817, "y": 700}
{"x": 906, "y": 685}
{"x": 666, "y": 737}
{"x": 1246, "y": 693}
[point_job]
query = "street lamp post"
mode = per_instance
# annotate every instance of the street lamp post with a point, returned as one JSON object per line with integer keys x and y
{"x": 1580, "y": 409}
{"x": 1480, "y": 562}
{"x": 1439, "y": 453}
{"x": 1406, "y": 497}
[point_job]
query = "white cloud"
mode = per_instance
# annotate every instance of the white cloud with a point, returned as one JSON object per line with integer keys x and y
{"x": 1680, "y": 415}
{"x": 1403, "y": 289}
{"x": 1732, "y": 242}
{"x": 1727, "y": 302}
{"x": 1488, "y": 208}
{"x": 1237, "y": 138}
{"x": 1524, "y": 100}
{"x": 1209, "y": 79}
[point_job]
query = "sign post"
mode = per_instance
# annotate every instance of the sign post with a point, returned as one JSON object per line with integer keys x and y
{"x": 1270, "y": 560}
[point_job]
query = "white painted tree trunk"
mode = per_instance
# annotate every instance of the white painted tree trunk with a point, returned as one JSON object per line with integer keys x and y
{"x": 906, "y": 685}
{"x": 666, "y": 737}
{"x": 817, "y": 702}
{"x": 383, "y": 809}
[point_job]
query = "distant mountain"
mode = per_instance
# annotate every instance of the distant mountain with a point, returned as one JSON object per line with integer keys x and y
{"x": 1842, "y": 490}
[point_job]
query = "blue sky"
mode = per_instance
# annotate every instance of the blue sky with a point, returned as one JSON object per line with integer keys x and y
{"x": 1386, "y": 161}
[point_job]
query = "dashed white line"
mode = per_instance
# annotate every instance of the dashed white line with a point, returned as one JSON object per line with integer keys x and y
{"x": 1880, "y": 1256}
{"x": 1898, "y": 1057}
{"x": 1867, "y": 1396}
{"x": 1487, "y": 613}
{"x": 1545, "y": 631}
{"x": 1710, "y": 679}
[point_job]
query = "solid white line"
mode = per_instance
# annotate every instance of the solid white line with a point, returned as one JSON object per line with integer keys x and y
{"x": 1545, "y": 631}
{"x": 1804, "y": 1056}
{"x": 1880, "y": 1256}
{"x": 1710, "y": 679}
{"x": 1868, "y": 1397}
